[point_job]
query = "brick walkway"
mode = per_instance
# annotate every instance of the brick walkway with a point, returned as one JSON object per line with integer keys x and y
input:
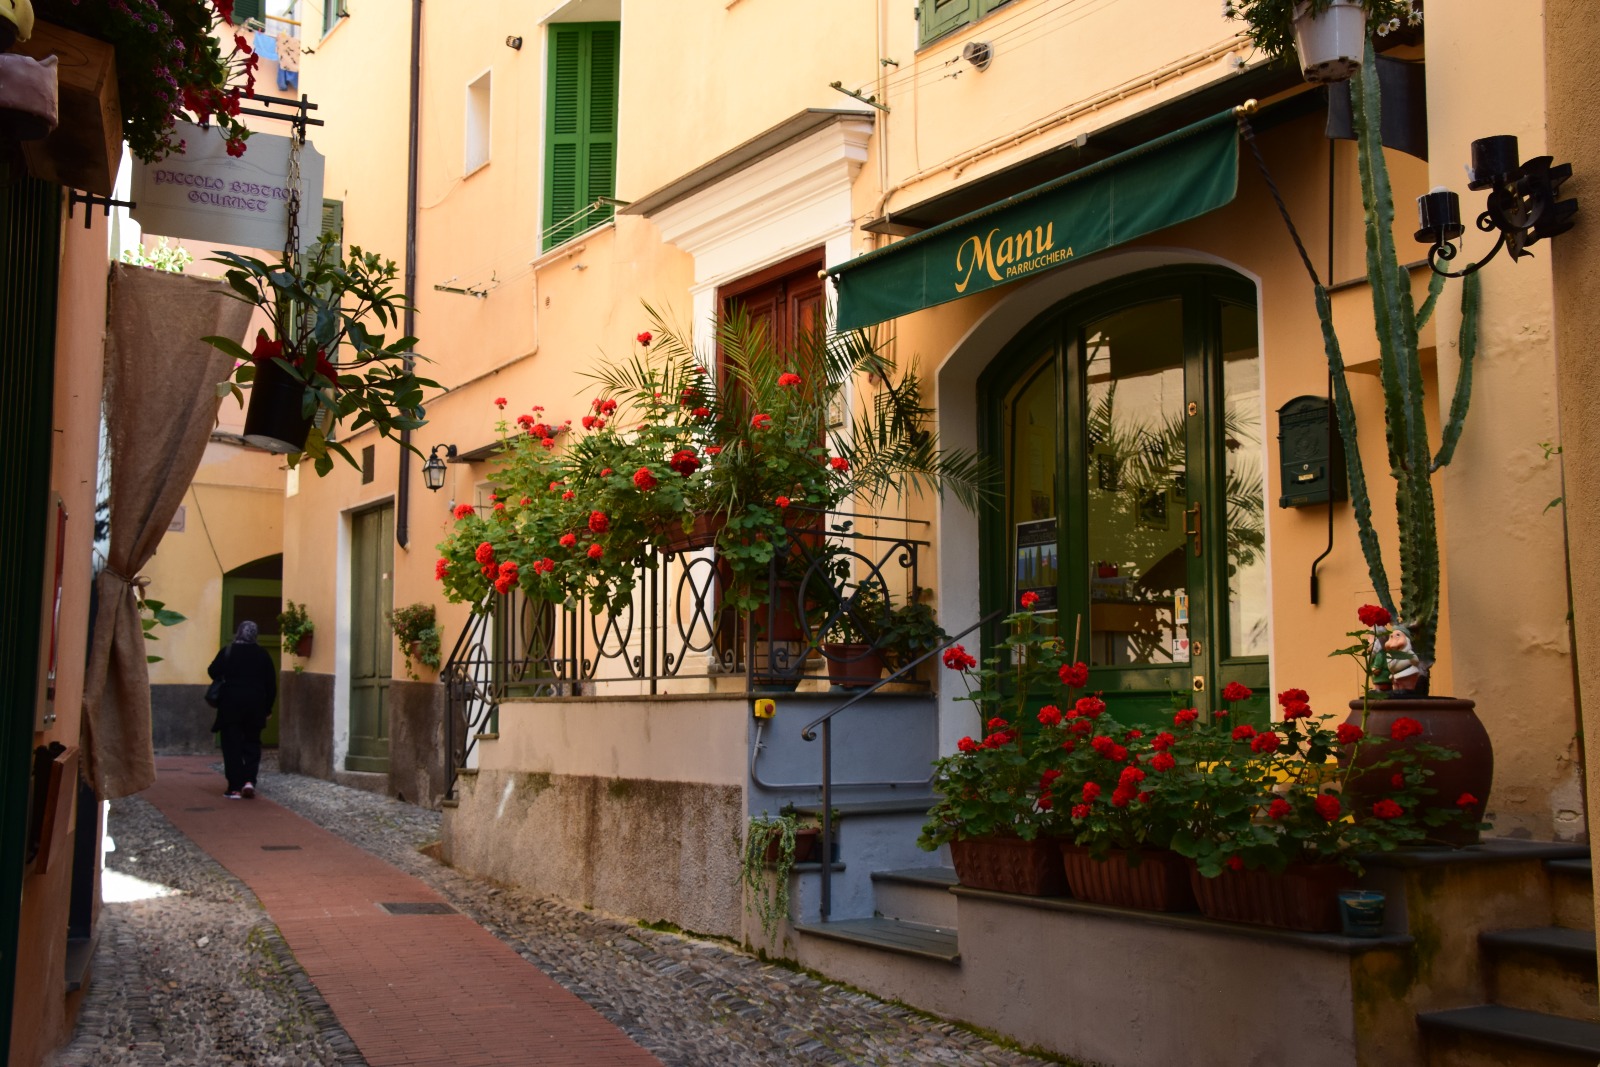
{"x": 412, "y": 990}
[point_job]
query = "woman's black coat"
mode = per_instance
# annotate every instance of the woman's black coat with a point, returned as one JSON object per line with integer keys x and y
{"x": 249, "y": 685}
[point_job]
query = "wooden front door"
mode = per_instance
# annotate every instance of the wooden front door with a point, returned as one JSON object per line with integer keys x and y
{"x": 259, "y": 600}
{"x": 371, "y": 643}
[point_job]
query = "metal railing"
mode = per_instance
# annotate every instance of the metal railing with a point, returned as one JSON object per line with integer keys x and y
{"x": 825, "y": 720}
{"x": 826, "y": 578}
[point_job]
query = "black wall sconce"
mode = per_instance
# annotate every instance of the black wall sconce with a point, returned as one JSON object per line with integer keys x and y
{"x": 514, "y": 43}
{"x": 1522, "y": 205}
{"x": 433, "y": 470}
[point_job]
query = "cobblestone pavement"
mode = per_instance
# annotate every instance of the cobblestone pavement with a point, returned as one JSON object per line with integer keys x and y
{"x": 199, "y": 977}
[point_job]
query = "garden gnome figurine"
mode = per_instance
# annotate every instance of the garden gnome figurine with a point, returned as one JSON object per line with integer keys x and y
{"x": 1395, "y": 664}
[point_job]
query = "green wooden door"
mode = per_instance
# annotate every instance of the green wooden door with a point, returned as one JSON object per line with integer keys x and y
{"x": 371, "y": 598}
{"x": 259, "y": 600}
{"x": 1130, "y": 425}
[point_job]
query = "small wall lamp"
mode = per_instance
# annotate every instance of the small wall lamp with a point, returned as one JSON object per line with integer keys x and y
{"x": 1522, "y": 205}
{"x": 433, "y": 470}
{"x": 514, "y": 42}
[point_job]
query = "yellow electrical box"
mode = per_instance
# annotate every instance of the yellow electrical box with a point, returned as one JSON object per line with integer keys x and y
{"x": 765, "y": 708}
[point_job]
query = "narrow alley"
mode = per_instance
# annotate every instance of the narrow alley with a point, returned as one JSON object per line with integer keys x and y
{"x": 207, "y": 956}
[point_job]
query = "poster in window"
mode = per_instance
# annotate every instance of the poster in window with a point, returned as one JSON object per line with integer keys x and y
{"x": 1037, "y": 567}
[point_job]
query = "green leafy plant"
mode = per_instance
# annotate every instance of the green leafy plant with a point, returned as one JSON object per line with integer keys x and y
{"x": 170, "y": 66}
{"x": 173, "y": 260}
{"x": 153, "y": 613}
{"x": 419, "y": 635}
{"x": 1270, "y": 23}
{"x": 294, "y": 623}
{"x": 768, "y": 846}
{"x": 322, "y": 311}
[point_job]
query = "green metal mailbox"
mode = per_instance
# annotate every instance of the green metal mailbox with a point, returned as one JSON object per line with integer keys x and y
{"x": 1310, "y": 454}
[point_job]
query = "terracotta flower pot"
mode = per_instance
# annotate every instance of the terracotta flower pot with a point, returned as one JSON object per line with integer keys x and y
{"x": 805, "y": 845}
{"x": 274, "y": 420}
{"x": 1010, "y": 865}
{"x": 853, "y": 666}
{"x": 1304, "y": 897}
{"x": 1447, "y": 723}
{"x": 302, "y": 647}
{"x": 1159, "y": 881}
{"x": 703, "y": 534}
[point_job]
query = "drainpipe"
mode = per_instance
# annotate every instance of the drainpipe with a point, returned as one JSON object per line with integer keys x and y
{"x": 402, "y": 493}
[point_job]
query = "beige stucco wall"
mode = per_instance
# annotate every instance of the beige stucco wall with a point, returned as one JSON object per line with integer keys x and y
{"x": 1572, "y": 36}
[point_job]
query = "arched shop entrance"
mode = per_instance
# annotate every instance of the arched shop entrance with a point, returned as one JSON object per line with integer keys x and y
{"x": 1130, "y": 424}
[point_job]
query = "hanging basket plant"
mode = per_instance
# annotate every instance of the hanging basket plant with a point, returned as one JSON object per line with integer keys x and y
{"x": 1326, "y": 35}
{"x": 321, "y": 363}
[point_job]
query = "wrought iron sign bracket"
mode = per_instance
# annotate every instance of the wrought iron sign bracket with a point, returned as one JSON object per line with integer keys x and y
{"x": 302, "y": 111}
{"x": 90, "y": 201}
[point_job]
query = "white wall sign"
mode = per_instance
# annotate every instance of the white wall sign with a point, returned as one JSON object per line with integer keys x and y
{"x": 204, "y": 194}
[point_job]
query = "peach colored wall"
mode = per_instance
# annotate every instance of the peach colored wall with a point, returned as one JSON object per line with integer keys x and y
{"x": 1572, "y": 34}
{"x": 44, "y": 1015}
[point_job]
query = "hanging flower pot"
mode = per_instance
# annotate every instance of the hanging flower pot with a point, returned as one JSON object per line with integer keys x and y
{"x": 1330, "y": 41}
{"x": 276, "y": 419}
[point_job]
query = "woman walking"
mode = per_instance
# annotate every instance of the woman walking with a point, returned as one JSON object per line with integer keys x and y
{"x": 249, "y": 687}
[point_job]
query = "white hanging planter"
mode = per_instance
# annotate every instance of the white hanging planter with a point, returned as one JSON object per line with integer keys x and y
{"x": 1330, "y": 43}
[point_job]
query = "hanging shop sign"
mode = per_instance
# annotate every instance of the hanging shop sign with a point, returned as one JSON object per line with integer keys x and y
{"x": 204, "y": 194}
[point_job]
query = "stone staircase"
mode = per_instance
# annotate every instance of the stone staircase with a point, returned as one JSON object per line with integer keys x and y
{"x": 1544, "y": 1006}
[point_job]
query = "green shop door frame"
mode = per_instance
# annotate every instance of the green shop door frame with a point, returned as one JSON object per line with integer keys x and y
{"x": 259, "y": 600}
{"x": 371, "y": 639}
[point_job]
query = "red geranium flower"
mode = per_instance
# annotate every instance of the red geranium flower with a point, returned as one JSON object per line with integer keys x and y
{"x": 684, "y": 461}
{"x": 1235, "y": 863}
{"x": 996, "y": 723}
{"x": 508, "y": 567}
{"x": 1387, "y": 809}
{"x": 839, "y": 463}
{"x": 1349, "y": 733}
{"x": 701, "y": 413}
{"x": 1091, "y": 790}
{"x": 599, "y": 522}
{"x": 441, "y": 568}
{"x": 1029, "y": 599}
{"x": 1185, "y": 716}
{"x": 500, "y": 402}
{"x": 967, "y": 744}
{"x": 1080, "y": 811}
{"x": 781, "y": 501}
{"x": 1089, "y": 706}
{"x": 1162, "y": 741}
{"x": 1466, "y": 800}
{"x": 569, "y": 495}
{"x": 958, "y": 658}
{"x": 1289, "y": 696}
{"x": 788, "y": 378}
{"x": 595, "y": 551}
{"x": 1279, "y": 808}
{"x": 485, "y": 553}
{"x": 1233, "y": 691}
{"x": 1243, "y": 732}
{"x": 1163, "y": 761}
{"x": 463, "y": 510}
{"x": 1405, "y": 727}
{"x": 1074, "y": 675}
{"x": 525, "y": 501}
{"x": 1296, "y": 709}
{"x": 1050, "y": 715}
{"x": 1373, "y": 615}
{"x": 761, "y": 422}
{"x": 643, "y": 479}
{"x": 1265, "y": 742}
{"x": 568, "y": 540}
{"x": 645, "y": 338}
{"x": 1327, "y": 806}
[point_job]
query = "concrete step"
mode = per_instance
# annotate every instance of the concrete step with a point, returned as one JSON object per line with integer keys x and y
{"x": 1572, "y": 892}
{"x": 1548, "y": 969}
{"x": 1492, "y": 1035}
{"x": 911, "y": 805}
{"x": 917, "y": 895}
{"x": 888, "y": 935}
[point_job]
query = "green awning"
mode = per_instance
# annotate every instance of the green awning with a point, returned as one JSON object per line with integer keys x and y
{"x": 1169, "y": 180}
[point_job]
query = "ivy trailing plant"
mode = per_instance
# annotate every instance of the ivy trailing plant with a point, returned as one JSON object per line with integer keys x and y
{"x": 1412, "y": 462}
{"x": 768, "y": 896}
{"x": 419, "y": 634}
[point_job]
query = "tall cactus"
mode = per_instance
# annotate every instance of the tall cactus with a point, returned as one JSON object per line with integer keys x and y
{"x": 1400, "y": 373}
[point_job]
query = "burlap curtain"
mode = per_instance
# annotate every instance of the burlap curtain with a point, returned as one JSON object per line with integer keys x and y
{"x": 161, "y": 405}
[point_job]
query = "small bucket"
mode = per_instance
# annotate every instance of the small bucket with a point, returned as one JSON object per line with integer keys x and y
{"x": 1361, "y": 913}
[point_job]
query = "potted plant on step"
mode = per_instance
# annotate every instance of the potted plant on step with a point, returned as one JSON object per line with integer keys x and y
{"x": 322, "y": 362}
{"x": 771, "y": 849}
{"x": 295, "y": 629}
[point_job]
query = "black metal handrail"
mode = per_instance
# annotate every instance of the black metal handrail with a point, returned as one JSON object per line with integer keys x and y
{"x": 825, "y": 720}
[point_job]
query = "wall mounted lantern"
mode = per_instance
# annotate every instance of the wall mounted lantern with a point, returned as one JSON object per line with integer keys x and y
{"x": 1522, "y": 205}
{"x": 433, "y": 470}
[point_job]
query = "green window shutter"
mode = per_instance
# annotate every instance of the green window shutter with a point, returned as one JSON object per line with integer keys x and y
{"x": 333, "y": 221}
{"x": 245, "y": 10}
{"x": 580, "y": 126}
{"x": 332, "y": 12}
{"x": 938, "y": 17}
